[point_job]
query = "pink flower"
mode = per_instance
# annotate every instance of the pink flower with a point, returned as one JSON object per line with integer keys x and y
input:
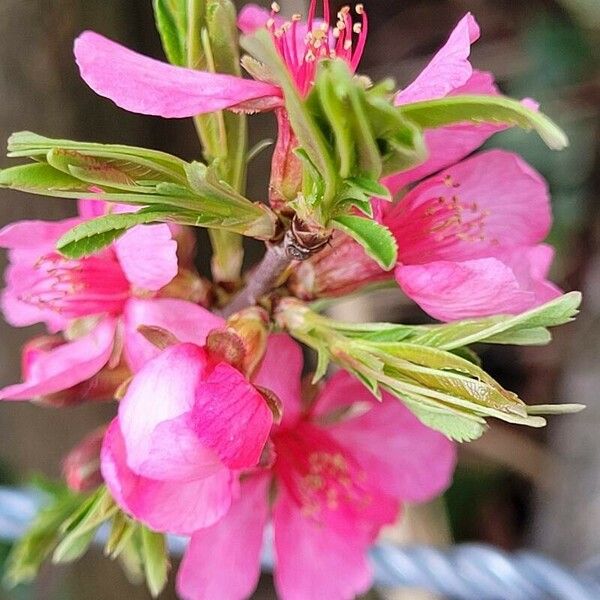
{"x": 469, "y": 239}
{"x": 342, "y": 467}
{"x": 469, "y": 242}
{"x": 143, "y": 85}
{"x": 187, "y": 423}
{"x": 449, "y": 73}
{"x": 89, "y": 295}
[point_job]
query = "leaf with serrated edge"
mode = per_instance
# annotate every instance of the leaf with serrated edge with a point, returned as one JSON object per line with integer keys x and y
{"x": 376, "y": 239}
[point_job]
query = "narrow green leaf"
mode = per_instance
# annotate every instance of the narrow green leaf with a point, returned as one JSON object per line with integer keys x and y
{"x": 376, "y": 239}
{"x": 28, "y": 554}
{"x": 484, "y": 109}
{"x": 91, "y": 236}
{"x": 42, "y": 178}
{"x": 155, "y": 560}
{"x": 506, "y": 328}
{"x": 167, "y": 13}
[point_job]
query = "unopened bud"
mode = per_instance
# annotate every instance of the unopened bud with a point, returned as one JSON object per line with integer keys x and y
{"x": 188, "y": 285}
{"x": 101, "y": 387}
{"x": 81, "y": 467}
{"x": 252, "y": 327}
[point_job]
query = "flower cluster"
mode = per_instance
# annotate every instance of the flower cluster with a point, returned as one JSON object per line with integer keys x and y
{"x": 217, "y": 436}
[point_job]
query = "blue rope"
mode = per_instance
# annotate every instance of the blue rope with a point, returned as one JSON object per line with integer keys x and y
{"x": 461, "y": 572}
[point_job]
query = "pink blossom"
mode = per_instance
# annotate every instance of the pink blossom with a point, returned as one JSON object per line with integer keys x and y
{"x": 185, "y": 426}
{"x": 89, "y": 296}
{"x": 343, "y": 465}
{"x": 469, "y": 242}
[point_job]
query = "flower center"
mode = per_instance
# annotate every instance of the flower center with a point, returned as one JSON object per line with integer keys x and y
{"x": 301, "y": 46}
{"x": 76, "y": 288}
{"x": 427, "y": 230}
{"x": 318, "y": 473}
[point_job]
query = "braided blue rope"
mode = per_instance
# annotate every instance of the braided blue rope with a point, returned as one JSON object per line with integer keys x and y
{"x": 462, "y": 572}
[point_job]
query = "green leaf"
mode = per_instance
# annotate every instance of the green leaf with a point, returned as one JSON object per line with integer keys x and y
{"x": 484, "y": 109}
{"x": 28, "y": 554}
{"x": 32, "y": 145}
{"x": 155, "y": 560}
{"x": 503, "y": 328}
{"x": 91, "y": 236}
{"x": 79, "y": 530}
{"x": 42, "y": 178}
{"x": 171, "y": 17}
{"x": 455, "y": 424}
{"x": 376, "y": 239}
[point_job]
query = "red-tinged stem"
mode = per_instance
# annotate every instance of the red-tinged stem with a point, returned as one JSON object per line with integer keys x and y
{"x": 262, "y": 280}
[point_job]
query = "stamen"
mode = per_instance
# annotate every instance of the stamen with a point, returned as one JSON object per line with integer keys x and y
{"x": 275, "y": 7}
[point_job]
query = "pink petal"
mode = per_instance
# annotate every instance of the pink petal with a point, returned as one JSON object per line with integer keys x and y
{"x": 188, "y": 322}
{"x": 34, "y": 238}
{"x": 223, "y": 561}
{"x": 448, "y": 145}
{"x": 231, "y": 418}
{"x": 91, "y": 209}
{"x": 281, "y": 372}
{"x": 449, "y": 291}
{"x": 21, "y": 314}
{"x": 404, "y": 459}
{"x": 491, "y": 201}
{"x": 169, "y": 506}
{"x": 67, "y": 365}
{"x": 313, "y": 561}
{"x": 252, "y": 17}
{"x": 448, "y": 69}
{"x": 148, "y": 256}
{"x": 163, "y": 390}
{"x": 147, "y": 86}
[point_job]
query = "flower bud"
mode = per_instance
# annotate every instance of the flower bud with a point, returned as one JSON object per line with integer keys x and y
{"x": 286, "y": 168}
{"x": 243, "y": 342}
{"x": 100, "y": 387}
{"x": 81, "y": 467}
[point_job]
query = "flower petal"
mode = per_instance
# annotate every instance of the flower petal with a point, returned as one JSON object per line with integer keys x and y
{"x": 231, "y": 418}
{"x": 169, "y": 506}
{"x": 449, "y": 291}
{"x": 223, "y": 561}
{"x": 148, "y": 256}
{"x": 66, "y": 365}
{"x": 163, "y": 390}
{"x": 448, "y": 69}
{"x": 447, "y": 145}
{"x": 487, "y": 203}
{"x": 313, "y": 561}
{"x": 281, "y": 372}
{"x": 187, "y": 321}
{"x": 143, "y": 85}
{"x": 403, "y": 458}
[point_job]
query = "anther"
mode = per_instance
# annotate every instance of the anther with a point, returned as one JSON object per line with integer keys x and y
{"x": 360, "y": 9}
{"x": 275, "y": 7}
{"x": 357, "y": 28}
{"x": 347, "y": 44}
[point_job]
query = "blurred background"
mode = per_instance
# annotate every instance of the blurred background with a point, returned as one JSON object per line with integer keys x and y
{"x": 514, "y": 487}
